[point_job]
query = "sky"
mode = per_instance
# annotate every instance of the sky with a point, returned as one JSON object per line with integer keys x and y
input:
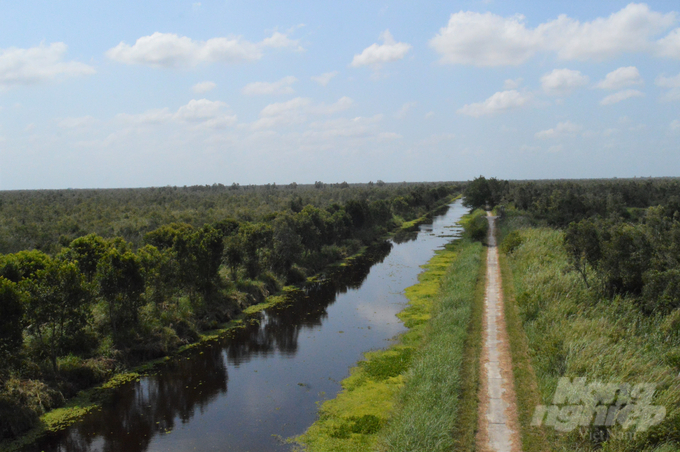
{"x": 155, "y": 93}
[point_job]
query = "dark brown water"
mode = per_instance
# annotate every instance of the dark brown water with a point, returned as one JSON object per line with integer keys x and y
{"x": 261, "y": 384}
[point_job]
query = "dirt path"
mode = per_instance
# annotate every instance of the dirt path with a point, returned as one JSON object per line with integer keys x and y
{"x": 498, "y": 426}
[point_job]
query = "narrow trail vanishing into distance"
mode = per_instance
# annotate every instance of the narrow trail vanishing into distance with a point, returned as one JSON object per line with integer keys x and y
{"x": 498, "y": 423}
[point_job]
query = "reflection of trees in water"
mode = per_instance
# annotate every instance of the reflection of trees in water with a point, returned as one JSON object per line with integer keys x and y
{"x": 280, "y": 328}
{"x": 150, "y": 407}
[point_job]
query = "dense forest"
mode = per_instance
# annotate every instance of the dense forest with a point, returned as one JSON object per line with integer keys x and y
{"x": 94, "y": 281}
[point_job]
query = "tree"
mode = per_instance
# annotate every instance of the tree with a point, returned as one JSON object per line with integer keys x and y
{"x": 121, "y": 284}
{"x": 582, "y": 243}
{"x": 11, "y": 322}
{"x": 58, "y": 306}
{"x": 478, "y": 194}
{"x": 87, "y": 251}
{"x": 22, "y": 265}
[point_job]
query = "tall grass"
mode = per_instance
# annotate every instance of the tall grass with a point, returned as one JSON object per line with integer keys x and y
{"x": 573, "y": 331}
{"x": 429, "y": 404}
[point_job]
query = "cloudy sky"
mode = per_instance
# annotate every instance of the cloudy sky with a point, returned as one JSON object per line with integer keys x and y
{"x": 128, "y": 94}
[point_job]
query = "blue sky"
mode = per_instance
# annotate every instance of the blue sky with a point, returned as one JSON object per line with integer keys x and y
{"x": 129, "y": 94}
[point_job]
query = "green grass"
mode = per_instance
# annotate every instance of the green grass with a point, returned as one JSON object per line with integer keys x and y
{"x": 376, "y": 405}
{"x": 429, "y": 404}
{"x": 573, "y": 331}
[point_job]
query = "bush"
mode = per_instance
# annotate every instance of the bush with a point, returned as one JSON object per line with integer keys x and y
{"x": 511, "y": 242}
{"x": 476, "y": 225}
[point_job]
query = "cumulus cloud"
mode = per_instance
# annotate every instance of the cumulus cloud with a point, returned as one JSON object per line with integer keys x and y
{"x": 621, "y": 78}
{"x": 499, "y": 102}
{"x": 376, "y": 54}
{"x": 74, "y": 123}
{"x": 37, "y": 65}
{"x": 324, "y": 78}
{"x": 675, "y": 124}
{"x": 563, "y": 81}
{"x": 168, "y": 50}
{"x": 669, "y": 46}
{"x": 673, "y": 85}
{"x": 401, "y": 113}
{"x": 283, "y": 86}
{"x": 297, "y": 111}
{"x": 201, "y": 113}
{"x": 561, "y": 129}
{"x": 491, "y": 40}
{"x": 429, "y": 114}
{"x": 203, "y": 87}
{"x": 359, "y": 127}
{"x": 621, "y": 95}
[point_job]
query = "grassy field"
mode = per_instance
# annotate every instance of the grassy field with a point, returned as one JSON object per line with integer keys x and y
{"x": 572, "y": 331}
{"x": 409, "y": 396}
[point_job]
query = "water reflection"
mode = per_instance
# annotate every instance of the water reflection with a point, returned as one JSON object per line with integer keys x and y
{"x": 280, "y": 364}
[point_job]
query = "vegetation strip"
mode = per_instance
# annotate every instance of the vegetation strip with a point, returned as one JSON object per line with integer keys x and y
{"x": 389, "y": 401}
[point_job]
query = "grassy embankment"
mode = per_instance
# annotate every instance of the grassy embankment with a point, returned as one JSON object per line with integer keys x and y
{"x": 573, "y": 331}
{"x": 414, "y": 395}
{"x": 90, "y": 399}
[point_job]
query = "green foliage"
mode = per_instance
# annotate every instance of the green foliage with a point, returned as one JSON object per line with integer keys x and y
{"x": 511, "y": 242}
{"x": 582, "y": 243}
{"x": 11, "y": 323}
{"x": 57, "y": 308}
{"x": 476, "y": 225}
{"x": 121, "y": 284}
{"x": 484, "y": 193}
{"x": 22, "y": 265}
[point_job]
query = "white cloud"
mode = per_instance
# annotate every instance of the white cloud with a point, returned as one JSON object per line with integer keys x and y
{"x": 401, "y": 113}
{"x": 563, "y": 81}
{"x": 610, "y": 132}
{"x": 375, "y": 55}
{"x": 324, "y": 78}
{"x": 621, "y": 78}
{"x": 621, "y": 95}
{"x": 673, "y": 85}
{"x": 168, "y": 50}
{"x": 37, "y": 65}
{"x": 359, "y": 127}
{"x": 203, "y": 87}
{"x": 283, "y": 86}
{"x": 561, "y": 129}
{"x": 675, "y": 125}
{"x": 30, "y": 128}
{"x": 297, "y": 111}
{"x": 499, "y": 102}
{"x": 492, "y": 40}
{"x": 485, "y": 40}
{"x": 670, "y": 45}
{"x": 201, "y": 113}
{"x": 73, "y": 123}
{"x": 429, "y": 114}
{"x": 556, "y": 148}
{"x": 512, "y": 84}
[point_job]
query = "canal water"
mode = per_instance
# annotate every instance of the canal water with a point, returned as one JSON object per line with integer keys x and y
{"x": 261, "y": 384}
